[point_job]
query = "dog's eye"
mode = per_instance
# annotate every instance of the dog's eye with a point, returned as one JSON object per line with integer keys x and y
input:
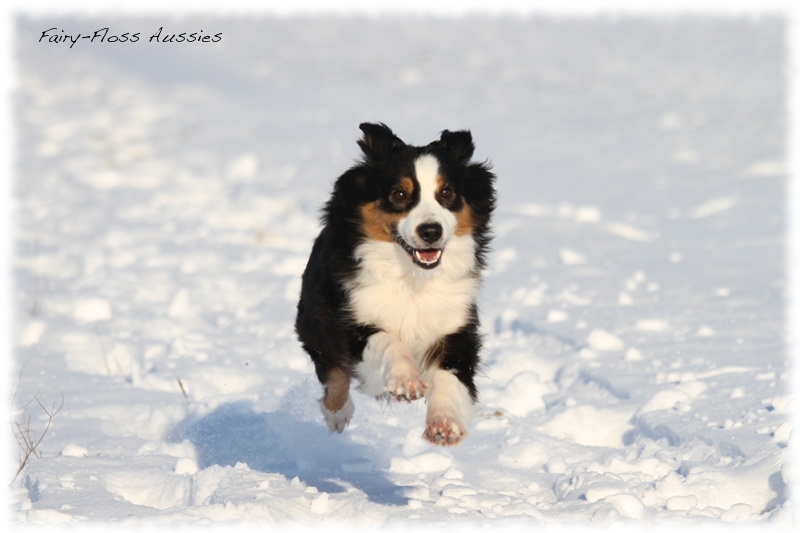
{"x": 399, "y": 195}
{"x": 446, "y": 193}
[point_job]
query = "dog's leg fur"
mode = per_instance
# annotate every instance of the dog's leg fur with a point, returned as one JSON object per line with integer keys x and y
{"x": 336, "y": 405}
{"x": 449, "y": 408}
{"x": 388, "y": 367}
{"x": 450, "y": 370}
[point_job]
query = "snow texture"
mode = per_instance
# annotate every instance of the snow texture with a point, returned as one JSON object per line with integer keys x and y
{"x": 167, "y": 195}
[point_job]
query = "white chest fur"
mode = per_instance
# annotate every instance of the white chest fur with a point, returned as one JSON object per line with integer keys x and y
{"x": 413, "y": 305}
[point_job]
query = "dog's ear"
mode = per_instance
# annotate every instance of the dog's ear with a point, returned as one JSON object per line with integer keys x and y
{"x": 457, "y": 145}
{"x": 378, "y": 141}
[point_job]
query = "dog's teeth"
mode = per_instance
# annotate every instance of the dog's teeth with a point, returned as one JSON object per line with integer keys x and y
{"x": 427, "y": 257}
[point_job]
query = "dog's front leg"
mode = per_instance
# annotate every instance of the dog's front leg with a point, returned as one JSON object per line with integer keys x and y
{"x": 449, "y": 408}
{"x": 388, "y": 367}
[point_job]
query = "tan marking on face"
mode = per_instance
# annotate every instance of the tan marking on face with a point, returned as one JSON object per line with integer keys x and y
{"x": 377, "y": 224}
{"x": 337, "y": 390}
{"x": 464, "y": 222}
{"x": 408, "y": 185}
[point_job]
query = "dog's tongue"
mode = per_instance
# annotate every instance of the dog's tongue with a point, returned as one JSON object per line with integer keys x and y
{"x": 428, "y": 255}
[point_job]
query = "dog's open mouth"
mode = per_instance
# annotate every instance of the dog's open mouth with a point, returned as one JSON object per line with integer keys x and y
{"x": 425, "y": 258}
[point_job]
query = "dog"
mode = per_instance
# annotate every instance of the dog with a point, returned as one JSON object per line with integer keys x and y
{"x": 389, "y": 293}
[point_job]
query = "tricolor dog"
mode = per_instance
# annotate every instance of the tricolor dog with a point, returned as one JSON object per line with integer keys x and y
{"x": 389, "y": 291}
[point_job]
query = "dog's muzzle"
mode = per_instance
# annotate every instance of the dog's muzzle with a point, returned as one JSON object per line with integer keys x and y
{"x": 427, "y": 258}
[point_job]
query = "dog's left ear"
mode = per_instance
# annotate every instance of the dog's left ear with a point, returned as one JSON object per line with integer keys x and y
{"x": 457, "y": 144}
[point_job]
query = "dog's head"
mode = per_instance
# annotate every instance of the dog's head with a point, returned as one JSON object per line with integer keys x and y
{"x": 421, "y": 197}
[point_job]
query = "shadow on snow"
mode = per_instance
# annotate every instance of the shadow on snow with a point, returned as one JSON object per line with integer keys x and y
{"x": 283, "y": 443}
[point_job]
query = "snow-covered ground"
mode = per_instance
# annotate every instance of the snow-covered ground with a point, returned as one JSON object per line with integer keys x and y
{"x": 636, "y": 365}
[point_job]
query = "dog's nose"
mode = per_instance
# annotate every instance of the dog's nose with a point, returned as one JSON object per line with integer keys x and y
{"x": 430, "y": 232}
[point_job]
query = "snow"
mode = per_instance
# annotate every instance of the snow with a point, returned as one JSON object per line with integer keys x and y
{"x": 636, "y": 368}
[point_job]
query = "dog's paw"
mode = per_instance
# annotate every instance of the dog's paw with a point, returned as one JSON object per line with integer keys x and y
{"x": 444, "y": 432}
{"x": 407, "y": 386}
{"x": 338, "y": 420}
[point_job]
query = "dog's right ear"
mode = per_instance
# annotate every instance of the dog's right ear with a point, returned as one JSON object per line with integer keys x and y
{"x": 378, "y": 141}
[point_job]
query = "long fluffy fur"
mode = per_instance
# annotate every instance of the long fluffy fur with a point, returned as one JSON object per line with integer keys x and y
{"x": 388, "y": 303}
